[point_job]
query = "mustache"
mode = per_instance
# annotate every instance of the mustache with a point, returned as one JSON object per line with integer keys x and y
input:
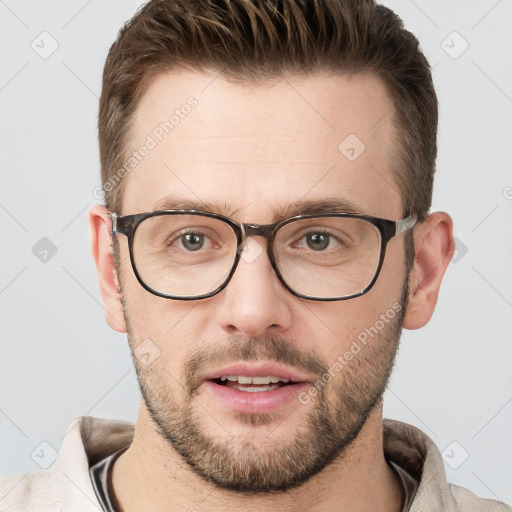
{"x": 268, "y": 348}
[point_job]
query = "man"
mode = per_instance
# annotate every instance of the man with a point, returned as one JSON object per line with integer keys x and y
{"x": 268, "y": 171}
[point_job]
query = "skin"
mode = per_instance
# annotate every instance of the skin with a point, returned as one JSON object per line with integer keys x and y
{"x": 260, "y": 148}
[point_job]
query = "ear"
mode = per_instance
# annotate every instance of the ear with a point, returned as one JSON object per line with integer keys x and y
{"x": 434, "y": 247}
{"x": 101, "y": 246}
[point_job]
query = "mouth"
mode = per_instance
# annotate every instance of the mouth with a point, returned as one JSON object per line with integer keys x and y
{"x": 252, "y": 384}
{"x": 247, "y": 377}
{"x": 255, "y": 388}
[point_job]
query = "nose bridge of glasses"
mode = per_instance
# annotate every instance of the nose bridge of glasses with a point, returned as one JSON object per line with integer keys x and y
{"x": 264, "y": 230}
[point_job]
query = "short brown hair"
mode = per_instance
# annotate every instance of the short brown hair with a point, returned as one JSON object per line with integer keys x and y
{"x": 250, "y": 41}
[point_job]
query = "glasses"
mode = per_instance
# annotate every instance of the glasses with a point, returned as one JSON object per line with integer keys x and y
{"x": 191, "y": 255}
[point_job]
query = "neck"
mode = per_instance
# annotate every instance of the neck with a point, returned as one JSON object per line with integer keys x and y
{"x": 151, "y": 475}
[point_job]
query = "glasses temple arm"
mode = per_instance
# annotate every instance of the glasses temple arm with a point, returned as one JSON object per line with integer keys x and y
{"x": 405, "y": 224}
{"x": 114, "y": 217}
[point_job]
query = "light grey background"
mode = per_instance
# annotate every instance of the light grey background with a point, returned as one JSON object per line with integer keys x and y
{"x": 59, "y": 359}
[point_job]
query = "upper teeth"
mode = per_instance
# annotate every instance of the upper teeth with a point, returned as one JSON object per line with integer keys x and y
{"x": 242, "y": 379}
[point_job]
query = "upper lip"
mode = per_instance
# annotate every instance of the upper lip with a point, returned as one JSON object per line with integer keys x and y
{"x": 255, "y": 370}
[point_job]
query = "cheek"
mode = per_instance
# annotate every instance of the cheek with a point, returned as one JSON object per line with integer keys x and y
{"x": 333, "y": 327}
{"x": 148, "y": 316}
{"x": 157, "y": 326}
{"x": 168, "y": 323}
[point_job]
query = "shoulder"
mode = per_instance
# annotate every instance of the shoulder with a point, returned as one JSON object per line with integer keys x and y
{"x": 412, "y": 450}
{"x": 21, "y": 493}
{"x": 466, "y": 501}
{"x": 66, "y": 485}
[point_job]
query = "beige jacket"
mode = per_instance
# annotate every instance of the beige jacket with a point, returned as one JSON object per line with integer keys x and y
{"x": 66, "y": 485}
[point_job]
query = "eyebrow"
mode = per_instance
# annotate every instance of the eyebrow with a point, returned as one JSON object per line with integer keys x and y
{"x": 284, "y": 211}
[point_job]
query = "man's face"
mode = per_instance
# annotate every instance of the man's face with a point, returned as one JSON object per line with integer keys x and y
{"x": 254, "y": 152}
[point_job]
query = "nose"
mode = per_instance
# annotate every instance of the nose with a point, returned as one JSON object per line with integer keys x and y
{"x": 255, "y": 299}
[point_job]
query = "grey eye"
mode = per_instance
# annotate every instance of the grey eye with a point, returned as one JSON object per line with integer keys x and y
{"x": 318, "y": 241}
{"x": 192, "y": 241}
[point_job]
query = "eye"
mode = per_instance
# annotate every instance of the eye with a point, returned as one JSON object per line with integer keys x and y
{"x": 193, "y": 241}
{"x": 318, "y": 241}
{"x": 190, "y": 241}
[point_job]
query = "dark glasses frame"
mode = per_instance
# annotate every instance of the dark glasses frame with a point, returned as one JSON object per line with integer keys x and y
{"x": 127, "y": 225}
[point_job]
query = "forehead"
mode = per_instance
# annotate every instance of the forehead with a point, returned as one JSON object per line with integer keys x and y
{"x": 197, "y": 137}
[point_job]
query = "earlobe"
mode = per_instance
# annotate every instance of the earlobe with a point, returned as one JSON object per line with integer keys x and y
{"x": 101, "y": 246}
{"x": 434, "y": 247}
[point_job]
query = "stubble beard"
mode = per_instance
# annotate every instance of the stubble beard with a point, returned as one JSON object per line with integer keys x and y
{"x": 324, "y": 437}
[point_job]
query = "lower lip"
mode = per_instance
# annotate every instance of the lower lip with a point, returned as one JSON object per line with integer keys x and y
{"x": 256, "y": 402}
